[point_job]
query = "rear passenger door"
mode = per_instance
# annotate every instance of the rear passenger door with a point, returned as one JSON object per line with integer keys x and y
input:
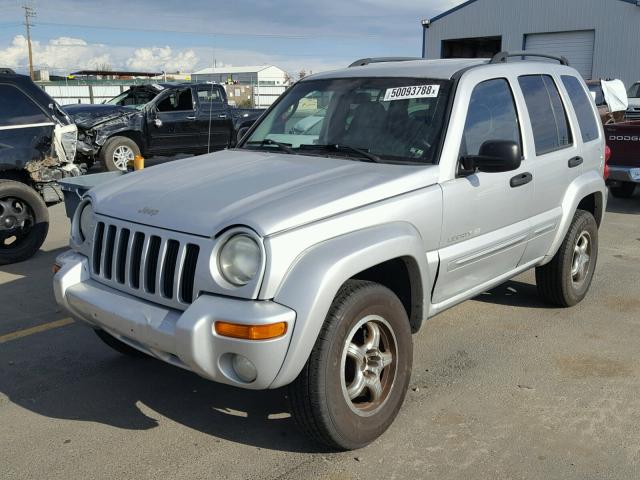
{"x": 486, "y": 215}
{"x": 555, "y": 157}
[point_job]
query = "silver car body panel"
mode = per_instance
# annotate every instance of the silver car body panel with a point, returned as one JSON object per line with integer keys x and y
{"x": 322, "y": 221}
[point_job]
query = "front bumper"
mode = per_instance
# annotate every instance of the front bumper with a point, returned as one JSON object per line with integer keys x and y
{"x": 183, "y": 338}
{"x": 624, "y": 174}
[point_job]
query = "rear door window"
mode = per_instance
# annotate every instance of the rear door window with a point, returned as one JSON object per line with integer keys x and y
{"x": 177, "y": 101}
{"x": 492, "y": 116}
{"x": 583, "y": 107}
{"x": 548, "y": 117}
{"x": 18, "y": 109}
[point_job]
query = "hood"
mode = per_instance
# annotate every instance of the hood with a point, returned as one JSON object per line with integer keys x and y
{"x": 268, "y": 192}
{"x": 88, "y": 116}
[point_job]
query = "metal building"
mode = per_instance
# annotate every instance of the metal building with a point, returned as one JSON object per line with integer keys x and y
{"x": 601, "y": 38}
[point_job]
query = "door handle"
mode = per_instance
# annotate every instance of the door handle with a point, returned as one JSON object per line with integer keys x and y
{"x": 191, "y": 118}
{"x": 222, "y": 115}
{"x": 575, "y": 161}
{"x": 520, "y": 180}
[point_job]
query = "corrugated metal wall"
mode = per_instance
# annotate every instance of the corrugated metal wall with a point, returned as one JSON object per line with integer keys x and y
{"x": 616, "y": 24}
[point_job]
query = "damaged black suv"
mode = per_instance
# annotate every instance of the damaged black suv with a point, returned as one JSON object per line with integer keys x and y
{"x": 37, "y": 148}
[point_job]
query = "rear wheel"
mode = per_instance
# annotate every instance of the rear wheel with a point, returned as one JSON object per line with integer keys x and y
{"x": 565, "y": 280}
{"x": 24, "y": 222}
{"x": 119, "y": 346}
{"x": 355, "y": 380}
{"x": 623, "y": 190}
{"x": 117, "y": 152}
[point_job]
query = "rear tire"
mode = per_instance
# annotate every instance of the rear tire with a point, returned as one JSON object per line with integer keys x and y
{"x": 22, "y": 211}
{"x": 565, "y": 280}
{"x": 623, "y": 190}
{"x": 117, "y": 152}
{"x": 119, "y": 346}
{"x": 355, "y": 380}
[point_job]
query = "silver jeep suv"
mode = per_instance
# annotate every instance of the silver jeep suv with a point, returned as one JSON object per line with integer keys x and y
{"x": 308, "y": 257}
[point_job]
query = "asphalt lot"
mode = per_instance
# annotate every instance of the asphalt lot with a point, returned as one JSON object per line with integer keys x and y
{"x": 503, "y": 387}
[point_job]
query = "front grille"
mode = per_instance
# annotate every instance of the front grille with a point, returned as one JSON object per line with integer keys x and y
{"x": 145, "y": 264}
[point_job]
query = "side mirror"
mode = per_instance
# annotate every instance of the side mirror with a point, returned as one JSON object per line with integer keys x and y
{"x": 242, "y": 131}
{"x": 494, "y": 156}
{"x": 157, "y": 122}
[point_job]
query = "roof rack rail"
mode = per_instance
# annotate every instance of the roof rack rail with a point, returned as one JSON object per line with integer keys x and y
{"x": 366, "y": 61}
{"x": 502, "y": 57}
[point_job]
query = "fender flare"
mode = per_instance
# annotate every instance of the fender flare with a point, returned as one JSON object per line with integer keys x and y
{"x": 583, "y": 186}
{"x": 313, "y": 281}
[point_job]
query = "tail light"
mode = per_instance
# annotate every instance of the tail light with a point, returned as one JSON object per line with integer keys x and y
{"x": 607, "y": 157}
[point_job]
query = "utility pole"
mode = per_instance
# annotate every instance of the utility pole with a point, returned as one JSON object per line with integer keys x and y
{"x": 29, "y": 12}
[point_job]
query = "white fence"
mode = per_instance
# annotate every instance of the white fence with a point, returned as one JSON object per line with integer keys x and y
{"x": 263, "y": 95}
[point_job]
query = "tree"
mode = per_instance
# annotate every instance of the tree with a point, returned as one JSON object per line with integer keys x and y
{"x": 302, "y": 74}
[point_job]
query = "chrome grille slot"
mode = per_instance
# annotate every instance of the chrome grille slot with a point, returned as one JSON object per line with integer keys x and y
{"x": 189, "y": 273}
{"x": 152, "y": 264}
{"x": 145, "y": 262}
{"x": 136, "y": 259}
{"x": 121, "y": 256}
{"x": 107, "y": 265}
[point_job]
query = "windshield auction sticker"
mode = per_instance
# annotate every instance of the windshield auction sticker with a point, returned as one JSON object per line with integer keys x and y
{"x": 405, "y": 93}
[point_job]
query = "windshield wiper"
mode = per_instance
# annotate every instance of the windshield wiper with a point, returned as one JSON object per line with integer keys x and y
{"x": 337, "y": 147}
{"x": 267, "y": 141}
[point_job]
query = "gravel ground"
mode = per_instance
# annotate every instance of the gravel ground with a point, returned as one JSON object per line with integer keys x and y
{"x": 503, "y": 387}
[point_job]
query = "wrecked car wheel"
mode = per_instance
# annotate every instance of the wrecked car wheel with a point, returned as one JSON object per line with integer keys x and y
{"x": 117, "y": 152}
{"x": 24, "y": 222}
{"x": 119, "y": 346}
{"x": 356, "y": 378}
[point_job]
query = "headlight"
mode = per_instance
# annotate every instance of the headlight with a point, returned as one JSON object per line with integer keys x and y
{"x": 85, "y": 222}
{"x": 239, "y": 259}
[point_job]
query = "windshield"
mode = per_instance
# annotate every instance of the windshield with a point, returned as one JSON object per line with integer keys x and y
{"x": 380, "y": 119}
{"x": 134, "y": 98}
{"x": 634, "y": 91}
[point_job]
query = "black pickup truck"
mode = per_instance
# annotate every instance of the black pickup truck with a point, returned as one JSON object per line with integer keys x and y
{"x": 158, "y": 119}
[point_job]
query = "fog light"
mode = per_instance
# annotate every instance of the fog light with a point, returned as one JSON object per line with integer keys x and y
{"x": 243, "y": 367}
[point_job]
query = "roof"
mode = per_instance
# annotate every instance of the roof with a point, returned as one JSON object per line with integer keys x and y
{"x": 444, "y": 69}
{"x": 469, "y": 2}
{"x": 223, "y": 70}
{"x": 117, "y": 73}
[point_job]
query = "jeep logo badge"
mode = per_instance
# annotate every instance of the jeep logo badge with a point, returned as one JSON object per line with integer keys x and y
{"x": 149, "y": 211}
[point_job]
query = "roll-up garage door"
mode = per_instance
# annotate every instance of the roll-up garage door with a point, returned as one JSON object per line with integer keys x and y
{"x": 576, "y": 46}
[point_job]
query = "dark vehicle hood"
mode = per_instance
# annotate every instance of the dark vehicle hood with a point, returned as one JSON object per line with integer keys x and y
{"x": 88, "y": 116}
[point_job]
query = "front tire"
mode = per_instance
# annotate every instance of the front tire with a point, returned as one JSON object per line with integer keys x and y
{"x": 117, "y": 152}
{"x": 623, "y": 190}
{"x": 565, "y": 280}
{"x": 24, "y": 222}
{"x": 356, "y": 378}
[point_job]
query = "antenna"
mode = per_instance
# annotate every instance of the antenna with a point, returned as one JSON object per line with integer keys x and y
{"x": 29, "y": 12}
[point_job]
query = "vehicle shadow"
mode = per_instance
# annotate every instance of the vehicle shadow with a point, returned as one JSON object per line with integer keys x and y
{"x": 91, "y": 383}
{"x": 514, "y": 294}
{"x": 625, "y": 205}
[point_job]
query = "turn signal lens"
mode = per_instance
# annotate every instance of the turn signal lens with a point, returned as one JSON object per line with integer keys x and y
{"x": 251, "y": 332}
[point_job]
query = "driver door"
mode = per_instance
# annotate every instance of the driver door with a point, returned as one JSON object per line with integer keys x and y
{"x": 486, "y": 215}
{"x": 173, "y": 125}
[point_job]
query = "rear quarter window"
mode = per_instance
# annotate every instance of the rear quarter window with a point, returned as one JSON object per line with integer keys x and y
{"x": 583, "y": 108}
{"x": 549, "y": 122}
{"x": 16, "y": 108}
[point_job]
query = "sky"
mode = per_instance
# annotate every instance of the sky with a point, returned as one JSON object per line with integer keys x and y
{"x": 163, "y": 35}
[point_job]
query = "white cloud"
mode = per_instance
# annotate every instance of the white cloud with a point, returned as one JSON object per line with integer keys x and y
{"x": 163, "y": 58}
{"x": 65, "y": 54}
